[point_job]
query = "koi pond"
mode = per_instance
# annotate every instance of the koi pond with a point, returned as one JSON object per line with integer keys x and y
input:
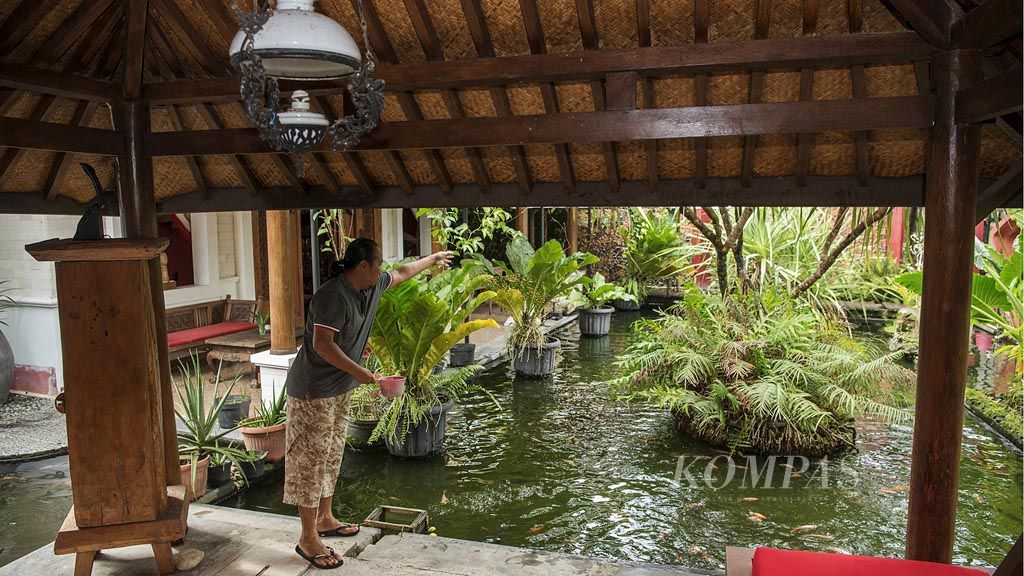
{"x": 563, "y": 467}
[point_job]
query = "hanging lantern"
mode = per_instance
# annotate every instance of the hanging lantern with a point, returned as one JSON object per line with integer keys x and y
{"x": 294, "y": 42}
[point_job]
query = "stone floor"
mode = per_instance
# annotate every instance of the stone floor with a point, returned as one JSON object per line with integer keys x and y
{"x": 30, "y": 428}
{"x": 244, "y": 543}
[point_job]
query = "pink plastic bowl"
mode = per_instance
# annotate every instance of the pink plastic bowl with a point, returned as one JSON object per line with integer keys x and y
{"x": 392, "y": 386}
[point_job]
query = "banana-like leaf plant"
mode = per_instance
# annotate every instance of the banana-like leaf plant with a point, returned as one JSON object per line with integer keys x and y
{"x": 597, "y": 293}
{"x": 655, "y": 250}
{"x": 412, "y": 332}
{"x": 531, "y": 281}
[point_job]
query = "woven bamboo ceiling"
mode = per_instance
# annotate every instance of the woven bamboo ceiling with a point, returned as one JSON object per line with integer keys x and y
{"x": 605, "y": 98}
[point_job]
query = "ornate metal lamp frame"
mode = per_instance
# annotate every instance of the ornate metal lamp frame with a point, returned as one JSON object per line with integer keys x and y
{"x": 261, "y": 96}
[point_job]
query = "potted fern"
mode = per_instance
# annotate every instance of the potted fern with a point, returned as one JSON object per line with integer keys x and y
{"x": 411, "y": 333}
{"x": 266, "y": 430}
{"x": 531, "y": 280}
{"x": 200, "y": 440}
{"x": 591, "y": 300}
{"x": 364, "y": 413}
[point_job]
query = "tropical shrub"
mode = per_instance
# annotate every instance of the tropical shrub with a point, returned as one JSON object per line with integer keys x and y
{"x": 597, "y": 293}
{"x": 412, "y": 332}
{"x": 532, "y": 279}
{"x": 462, "y": 288}
{"x": 452, "y": 229}
{"x": 760, "y": 372}
{"x": 1002, "y": 411}
{"x": 654, "y": 249}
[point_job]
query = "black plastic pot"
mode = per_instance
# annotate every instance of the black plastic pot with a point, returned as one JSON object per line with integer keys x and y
{"x": 537, "y": 361}
{"x": 462, "y": 354}
{"x": 358, "y": 434}
{"x": 217, "y": 476}
{"x": 426, "y": 439}
{"x": 253, "y": 469}
{"x": 626, "y": 305}
{"x": 596, "y": 321}
{"x": 234, "y": 410}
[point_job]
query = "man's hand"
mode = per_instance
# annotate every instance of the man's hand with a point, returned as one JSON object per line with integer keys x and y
{"x": 442, "y": 260}
{"x": 364, "y": 376}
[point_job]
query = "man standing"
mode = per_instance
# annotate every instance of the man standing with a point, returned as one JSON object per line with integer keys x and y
{"x": 320, "y": 383}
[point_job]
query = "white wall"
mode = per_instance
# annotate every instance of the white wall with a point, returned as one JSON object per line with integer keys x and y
{"x": 226, "y": 244}
{"x": 32, "y": 327}
{"x": 391, "y": 234}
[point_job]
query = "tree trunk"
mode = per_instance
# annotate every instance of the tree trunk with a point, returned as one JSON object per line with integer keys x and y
{"x": 722, "y": 257}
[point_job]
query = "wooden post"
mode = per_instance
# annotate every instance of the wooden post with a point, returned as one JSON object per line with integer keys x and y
{"x": 378, "y": 227}
{"x": 523, "y": 221}
{"x": 570, "y": 230}
{"x": 281, "y": 268}
{"x": 950, "y": 197}
{"x": 138, "y": 213}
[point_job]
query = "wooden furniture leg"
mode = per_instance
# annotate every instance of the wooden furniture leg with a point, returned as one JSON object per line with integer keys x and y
{"x": 83, "y": 562}
{"x": 164, "y": 558}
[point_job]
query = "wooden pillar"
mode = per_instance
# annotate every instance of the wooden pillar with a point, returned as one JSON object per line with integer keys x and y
{"x": 897, "y": 235}
{"x": 570, "y": 230}
{"x": 138, "y": 214}
{"x": 281, "y": 267}
{"x": 259, "y": 256}
{"x": 378, "y": 227}
{"x": 950, "y": 197}
{"x": 523, "y": 221}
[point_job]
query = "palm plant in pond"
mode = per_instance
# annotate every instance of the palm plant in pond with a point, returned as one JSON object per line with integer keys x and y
{"x": 654, "y": 250}
{"x": 760, "y": 372}
{"x": 591, "y": 300}
{"x": 463, "y": 289}
{"x": 531, "y": 281}
{"x": 413, "y": 330}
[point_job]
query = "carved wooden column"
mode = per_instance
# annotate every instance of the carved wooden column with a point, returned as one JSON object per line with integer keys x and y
{"x": 523, "y": 220}
{"x": 950, "y": 197}
{"x": 570, "y": 230}
{"x": 281, "y": 236}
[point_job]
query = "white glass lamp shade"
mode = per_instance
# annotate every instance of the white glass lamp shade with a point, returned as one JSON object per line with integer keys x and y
{"x": 298, "y": 43}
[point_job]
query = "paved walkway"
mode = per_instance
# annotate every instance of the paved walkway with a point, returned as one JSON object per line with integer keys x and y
{"x": 30, "y": 428}
{"x": 245, "y": 543}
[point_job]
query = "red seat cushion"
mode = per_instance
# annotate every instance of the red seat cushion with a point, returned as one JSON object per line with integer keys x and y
{"x": 182, "y": 337}
{"x": 772, "y": 562}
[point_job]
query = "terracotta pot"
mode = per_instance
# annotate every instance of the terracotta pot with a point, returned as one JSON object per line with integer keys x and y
{"x": 268, "y": 439}
{"x": 392, "y": 386}
{"x": 197, "y": 491}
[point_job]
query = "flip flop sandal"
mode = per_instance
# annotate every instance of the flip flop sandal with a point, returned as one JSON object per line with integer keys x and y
{"x": 338, "y": 531}
{"x": 312, "y": 559}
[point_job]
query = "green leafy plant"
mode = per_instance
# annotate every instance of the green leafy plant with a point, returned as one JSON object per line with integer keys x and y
{"x": 655, "y": 250}
{"x": 201, "y": 437}
{"x": 267, "y": 416}
{"x": 450, "y": 231}
{"x": 462, "y": 288}
{"x": 332, "y": 230}
{"x": 996, "y": 298}
{"x": 760, "y": 372}
{"x": 261, "y": 320}
{"x": 412, "y": 332}
{"x": 531, "y": 280}
{"x": 597, "y": 293}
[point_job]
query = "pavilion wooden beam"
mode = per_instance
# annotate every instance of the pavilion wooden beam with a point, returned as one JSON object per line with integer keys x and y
{"x": 23, "y": 20}
{"x": 1000, "y": 193}
{"x": 178, "y": 123}
{"x": 379, "y": 41}
{"x": 950, "y": 203}
{"x": 74, "y": 27}
{"x": 692, "y": 59}
{"x": 989, "y": 23}
{"x": 68, "y": 85}
{"x": 810, "y": 26}
{"x": 821, "y": 191}
{"x": 991, "y": 98}
{"x": 588, "y": 33}
{"x": 58, "y": 169}
{"x": 351, "y": 159}
{"x": 17, "y": 133}
{"x": 585, "y": 127}
{"x": 762, "y": 21}
{"x": 860, "y": 138}
{"x": 643, "y": 28}
{"x": 932, "y": 19}
{"x": 245, "y": 174}
{"x": 700, "y": 89}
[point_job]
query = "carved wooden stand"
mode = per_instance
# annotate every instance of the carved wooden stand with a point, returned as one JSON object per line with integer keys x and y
{"x": 112, "y": 399}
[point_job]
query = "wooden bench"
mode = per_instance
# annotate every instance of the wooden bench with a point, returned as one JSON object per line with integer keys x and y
{"x": 190, "y": 327}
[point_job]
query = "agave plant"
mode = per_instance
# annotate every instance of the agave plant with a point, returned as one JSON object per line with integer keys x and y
{"x": 201, "y": 437}
{"x": 412, "y": 332}
{"x": 760, "y": 372}
{"x": 597, "y": 293}
{"x": 531, "y": 281}
{"x": 655, "y": 250}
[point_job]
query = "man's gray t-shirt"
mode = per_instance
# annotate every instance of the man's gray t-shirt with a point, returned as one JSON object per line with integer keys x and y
{"x": 337, "y": 305}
